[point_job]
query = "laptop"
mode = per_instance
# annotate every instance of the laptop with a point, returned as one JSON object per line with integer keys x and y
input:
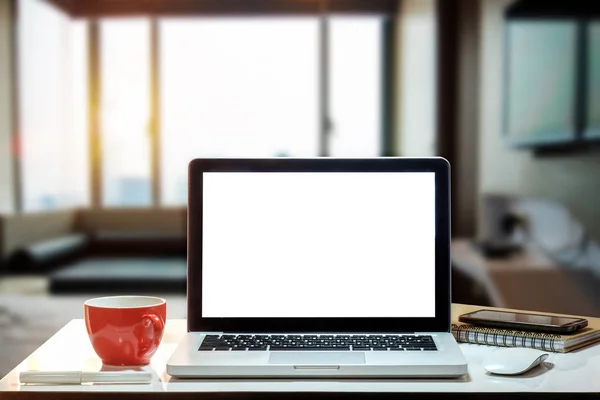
{"x": 321, "y": 267}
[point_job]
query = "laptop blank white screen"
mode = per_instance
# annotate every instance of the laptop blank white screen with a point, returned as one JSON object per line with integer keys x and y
{"x": 293, "y": 245}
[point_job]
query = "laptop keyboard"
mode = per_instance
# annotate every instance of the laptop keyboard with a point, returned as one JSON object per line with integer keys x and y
{"x": 318, "y": 343}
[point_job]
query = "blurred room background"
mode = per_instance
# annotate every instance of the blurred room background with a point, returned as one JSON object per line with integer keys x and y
{"x": 104, "y": 103}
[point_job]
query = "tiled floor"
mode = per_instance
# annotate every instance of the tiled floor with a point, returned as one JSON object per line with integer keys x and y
{"x": 29, "y": 316}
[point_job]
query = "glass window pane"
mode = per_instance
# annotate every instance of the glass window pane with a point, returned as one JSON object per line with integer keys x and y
{"x": 540, "y": 81}
{"x": 53, "y": 108}
{"x": 355, "y": 45}
{"x": 125, "y": 105}
{"x": 593, "y": 101}
{"x": 236, "y": 87}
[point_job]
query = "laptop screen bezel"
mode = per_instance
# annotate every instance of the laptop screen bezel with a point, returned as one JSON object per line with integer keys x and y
{"x": 439, "y": 323}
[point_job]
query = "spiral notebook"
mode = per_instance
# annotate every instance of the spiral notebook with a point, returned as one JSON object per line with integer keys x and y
{"x": 467, "y": 333}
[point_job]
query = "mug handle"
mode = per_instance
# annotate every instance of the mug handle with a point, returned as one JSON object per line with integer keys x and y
{"x": 157, "y": 325}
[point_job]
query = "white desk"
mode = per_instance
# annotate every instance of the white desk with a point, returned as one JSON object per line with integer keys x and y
{"x": 70, "y": 349}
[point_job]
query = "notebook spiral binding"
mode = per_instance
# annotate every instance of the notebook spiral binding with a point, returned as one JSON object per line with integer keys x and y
{"x": 506, "y": 338}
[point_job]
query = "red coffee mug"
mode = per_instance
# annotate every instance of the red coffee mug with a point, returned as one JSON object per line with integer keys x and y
{"x": 125, "y": 330}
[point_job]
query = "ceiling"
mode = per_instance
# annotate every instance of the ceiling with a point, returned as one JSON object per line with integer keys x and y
{"x": 128, "y": 8}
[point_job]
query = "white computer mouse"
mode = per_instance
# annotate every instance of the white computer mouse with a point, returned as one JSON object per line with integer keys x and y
{"x": 513, "y": 361}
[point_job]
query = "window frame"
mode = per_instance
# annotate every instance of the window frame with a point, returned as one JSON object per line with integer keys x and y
{"x": 324, "y": 9}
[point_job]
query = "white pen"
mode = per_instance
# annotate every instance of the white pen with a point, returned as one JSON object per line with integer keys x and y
{"x": 79, "y": 377}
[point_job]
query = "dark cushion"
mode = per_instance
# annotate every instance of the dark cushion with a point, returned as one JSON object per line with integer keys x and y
{"x": 43, "y": 255}
{"x": 121, "y": 275}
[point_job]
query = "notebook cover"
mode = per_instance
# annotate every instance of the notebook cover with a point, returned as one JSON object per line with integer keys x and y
{"x": 468, "y": 333}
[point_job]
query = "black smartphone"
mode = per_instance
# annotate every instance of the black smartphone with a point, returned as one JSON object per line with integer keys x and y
{"x": 523, "y": 321}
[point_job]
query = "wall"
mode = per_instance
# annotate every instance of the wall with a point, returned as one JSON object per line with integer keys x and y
{"x": 415, "y": 87}
{"x": 417, "y": 102}
{"x": 6, "y": 172}
{"x": 465, "y": 164}
{"x": 573, "y": 180}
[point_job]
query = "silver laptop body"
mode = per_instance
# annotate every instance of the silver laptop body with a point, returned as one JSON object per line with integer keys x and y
{"x": 318, "y": 267}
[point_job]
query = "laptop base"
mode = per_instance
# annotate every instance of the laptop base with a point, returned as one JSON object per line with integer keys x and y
{"x": 447, "y": 362}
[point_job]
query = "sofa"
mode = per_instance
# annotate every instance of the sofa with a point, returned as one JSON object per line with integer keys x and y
{"x": 119, "y": 251}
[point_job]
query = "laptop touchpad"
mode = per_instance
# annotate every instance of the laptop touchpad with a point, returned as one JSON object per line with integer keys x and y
{"x": 316, "y": 358}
